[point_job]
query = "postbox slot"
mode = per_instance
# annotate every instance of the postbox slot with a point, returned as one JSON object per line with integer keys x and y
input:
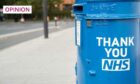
{"x": 78, "y": 8}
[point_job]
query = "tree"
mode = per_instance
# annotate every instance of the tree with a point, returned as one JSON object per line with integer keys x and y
{"x": 2, "y": 3}
{"x": 14, "y": 2}
{"x": 37, "y": 9}
{"x": 36, "y": 6}
{"x": 53, "y": 7}
{"x": 55, "y": 1}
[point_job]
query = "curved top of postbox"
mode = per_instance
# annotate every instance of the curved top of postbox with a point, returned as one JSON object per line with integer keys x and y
{"x": 107, "y": 10}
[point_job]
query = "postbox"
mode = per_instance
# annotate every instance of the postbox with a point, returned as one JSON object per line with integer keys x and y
{"x": 107, "y": 36}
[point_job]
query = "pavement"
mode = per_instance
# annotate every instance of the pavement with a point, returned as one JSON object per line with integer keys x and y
{"x": 40, "y": 61}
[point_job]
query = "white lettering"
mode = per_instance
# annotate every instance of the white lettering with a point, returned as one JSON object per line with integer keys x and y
{"x": 115, "y": 42}
{"x": 17, "y": 9}
{"x": 108, "y": 51}
{"x": 99, "y": 40}
{"x": 131, "y": 41}
{"x": 107, "y": 42}
{"x": 117, "y": 53}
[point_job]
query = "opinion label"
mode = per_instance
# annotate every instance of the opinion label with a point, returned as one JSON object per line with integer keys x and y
{"x": 17, "y": 9}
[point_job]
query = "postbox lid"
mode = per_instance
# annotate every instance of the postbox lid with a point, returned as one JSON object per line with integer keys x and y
{"x": 111, "y": 10}
{"x": 80, "y": 1}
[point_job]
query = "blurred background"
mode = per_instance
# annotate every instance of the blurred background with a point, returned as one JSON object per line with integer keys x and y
{"x": 25, "y": 56}
{"x": 17, "y": 28}
{"x": 57, "y": 8}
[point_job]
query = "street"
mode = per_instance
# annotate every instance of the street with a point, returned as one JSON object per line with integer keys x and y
{"x": 12, "y": 27}
{"x": 8, "y": 29}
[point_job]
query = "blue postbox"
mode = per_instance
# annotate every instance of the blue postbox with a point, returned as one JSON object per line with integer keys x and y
{"x": 108, "y": 41}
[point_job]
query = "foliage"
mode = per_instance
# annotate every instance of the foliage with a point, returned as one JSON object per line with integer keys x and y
{"x": 37, "y": 7}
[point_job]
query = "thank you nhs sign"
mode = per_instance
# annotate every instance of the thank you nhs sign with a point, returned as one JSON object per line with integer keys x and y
{"x": 116, "y": 49}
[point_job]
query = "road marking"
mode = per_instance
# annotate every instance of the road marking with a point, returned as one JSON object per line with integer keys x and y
{"x": 6, "y": 36}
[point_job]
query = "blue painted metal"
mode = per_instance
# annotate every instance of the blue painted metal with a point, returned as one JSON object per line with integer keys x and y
{"x": 108, "y": 25}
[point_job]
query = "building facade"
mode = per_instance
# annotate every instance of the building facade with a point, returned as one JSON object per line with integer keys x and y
{"x": 69, "y": 1}
{"x": 67, "y": 4}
